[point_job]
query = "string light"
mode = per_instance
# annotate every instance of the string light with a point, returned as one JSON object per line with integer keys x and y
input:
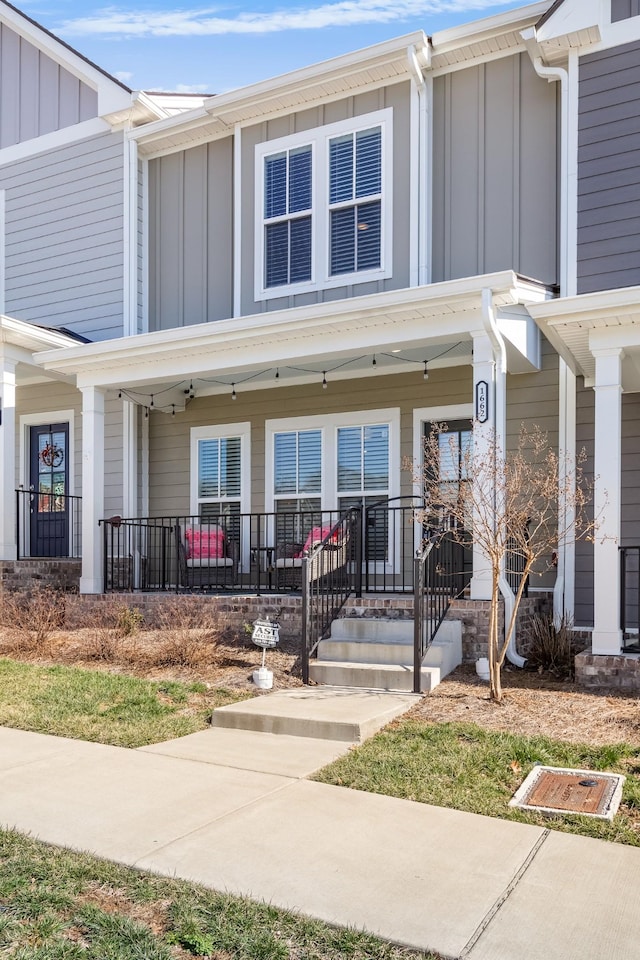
{"x": 374, "y": 362}
{"x": 146, "y": 413}
{"x": 173, "y": 409}
{"x": 425, "y": 375}
{"x": 277, "y": 374}
{"x": 119, "y": 394}
{"x": 233, "y": 391}
{"x": 151, "y": 404}
{"x": 324, "y": 380}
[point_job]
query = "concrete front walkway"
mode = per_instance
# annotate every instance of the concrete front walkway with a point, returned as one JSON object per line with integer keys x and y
{"x": 229, "y": 809}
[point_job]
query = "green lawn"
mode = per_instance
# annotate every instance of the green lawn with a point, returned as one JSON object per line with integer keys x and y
{"x": 60, "y": 905}
{"x": 103, "y": 707}
{"x": 465, "y": 767}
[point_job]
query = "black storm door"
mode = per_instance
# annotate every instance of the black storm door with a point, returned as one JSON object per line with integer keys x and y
{"x": 49, "y": 526}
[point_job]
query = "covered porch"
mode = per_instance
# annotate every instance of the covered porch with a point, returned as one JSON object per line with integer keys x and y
{"x": 252, "y": 435}
{"x": 599, "y": 337}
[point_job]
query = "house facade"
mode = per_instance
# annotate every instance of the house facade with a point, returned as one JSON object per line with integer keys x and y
{"x": 254, "y": 305}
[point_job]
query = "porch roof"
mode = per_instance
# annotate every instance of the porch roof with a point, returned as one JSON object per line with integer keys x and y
{"x": 578, "y": 326}
{"x": 409, "y": 319}
{"x": 19, "y": 340}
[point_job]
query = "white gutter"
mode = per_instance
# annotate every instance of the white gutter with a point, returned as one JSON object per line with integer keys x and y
{"x": 500, "y": 357}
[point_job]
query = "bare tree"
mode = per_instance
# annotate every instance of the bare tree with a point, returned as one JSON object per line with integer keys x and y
{"x": 506, "y": 504}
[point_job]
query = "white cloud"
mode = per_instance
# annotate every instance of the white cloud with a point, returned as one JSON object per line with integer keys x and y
{"x": 113, "y": 21}
{"x": 124, "y": 75}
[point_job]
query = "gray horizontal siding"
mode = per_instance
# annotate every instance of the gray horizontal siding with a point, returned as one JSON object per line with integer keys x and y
{"x": 624, "y": 9}
{"x": 495, "y": 172}
{"x": 37, "y": 96}
{"x": 64, "y": 237}
{"x": 609, "y": 169}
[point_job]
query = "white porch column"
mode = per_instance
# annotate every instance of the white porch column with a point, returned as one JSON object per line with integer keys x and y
{"x": 93, "y": 404}
{"x": 484, "y": 434}
{"x": 7, "y": 458}
{"x": 607, "y": 637}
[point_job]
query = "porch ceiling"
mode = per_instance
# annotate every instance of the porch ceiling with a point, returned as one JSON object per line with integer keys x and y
{"x": 578, "y": 326}
{"x": 432, "y": 323}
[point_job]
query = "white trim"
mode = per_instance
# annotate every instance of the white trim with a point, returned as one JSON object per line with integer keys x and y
{"x": 318, "y": 139}
{"x": 130, "y": 240}
{"x": 414, "y": 187}
{"x": 129, "y": 459}
{"x": 145, "y": 246}
{"x": 144, "y": 467}
{"x": 42, "y": 420}
{"x": 217, "y": 432}
{"x": 237, "y": 221}
{"x": 52, "y": 141}
{"x": 3, "y": 249}
{"x": 569, "y": 129}
{"x": 426, "y": 174}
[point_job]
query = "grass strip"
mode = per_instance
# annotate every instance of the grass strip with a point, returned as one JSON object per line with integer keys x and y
{"x": 464, "y": 767}
{"x": 103, "y": 707}
{"x": 60, "y": 905}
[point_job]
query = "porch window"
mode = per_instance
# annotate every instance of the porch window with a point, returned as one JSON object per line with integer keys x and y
{"x": 219, "y": 476}
{"x": 297, "y": 483}
{"x": 363, "y": 478}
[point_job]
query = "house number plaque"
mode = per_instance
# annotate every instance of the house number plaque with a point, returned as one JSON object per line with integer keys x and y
{"x": 482, "y": 401}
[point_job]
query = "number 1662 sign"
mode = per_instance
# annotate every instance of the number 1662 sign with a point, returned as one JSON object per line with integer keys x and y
{"x": 482, "y": 401}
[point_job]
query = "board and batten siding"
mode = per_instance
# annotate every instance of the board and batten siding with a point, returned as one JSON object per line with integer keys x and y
{"x": 495, "y": 179}
{"x": 49, "y": 397}
{"x": 396, "y": 97}
{"x": 609, "y": 169}
{"x": 624, "y": 9}
{"x": 191, "y": 236}
{"x": 64, "y": 260}
{"x": 37, "y": 95}
{"x": 169, "y": 475}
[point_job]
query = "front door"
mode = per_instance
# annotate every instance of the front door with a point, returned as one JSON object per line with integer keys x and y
{"x": 454, "y": 452}
{"x": 49, "y": 481}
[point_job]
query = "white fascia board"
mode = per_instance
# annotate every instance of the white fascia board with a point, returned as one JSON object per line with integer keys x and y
{"x": 478, "y": 30}
{"x": 64, "y": 55}
{"x": 53, "y": 141}
{"x": 588, "y": 306}
{"x": 571, "y": 17}
{"x": 31, "y": 337}
{"x": 268, "y": 91}
{"x": 616, "y": 338}
{"x": 452, "y": 309}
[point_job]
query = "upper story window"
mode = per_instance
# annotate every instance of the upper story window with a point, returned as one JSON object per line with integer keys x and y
{"x": 323, "y": 201}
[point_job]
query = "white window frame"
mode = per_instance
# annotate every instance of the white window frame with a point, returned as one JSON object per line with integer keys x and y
{"x": 328, "y": 426}
{"x": 220, "y": 432}
{"x": 318, "y": 139}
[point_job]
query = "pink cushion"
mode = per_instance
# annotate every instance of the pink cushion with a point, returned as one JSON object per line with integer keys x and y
{"x": 205, "y": 544}
{"x": 316, "y": 536}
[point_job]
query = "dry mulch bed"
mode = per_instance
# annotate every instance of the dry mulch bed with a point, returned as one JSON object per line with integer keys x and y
{"x": 534, "y": 704}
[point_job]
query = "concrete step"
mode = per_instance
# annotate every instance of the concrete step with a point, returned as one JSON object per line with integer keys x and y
{"x": 374, "y": 629}
{"x": 394, "y": 649}
{"x": 377, "y": 676}
{"x": 325, "y": 713}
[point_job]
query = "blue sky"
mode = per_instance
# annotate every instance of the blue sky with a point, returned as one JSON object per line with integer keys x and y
{"x": 216, "y": 46}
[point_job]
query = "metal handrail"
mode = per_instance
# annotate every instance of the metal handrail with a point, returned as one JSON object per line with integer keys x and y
{"x": 331, "y": 572}
{"x": 60, "y": 536}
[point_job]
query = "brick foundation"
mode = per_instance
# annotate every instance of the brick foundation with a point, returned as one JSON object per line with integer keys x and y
{"x": 474, "y": 616}
{"x": 615, "y": 674}
{"x": 23, "y": 575}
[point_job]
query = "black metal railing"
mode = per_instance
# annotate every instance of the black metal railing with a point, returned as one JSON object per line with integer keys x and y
{"x": 331, "y": 572}
{"x": 252, "y": 552}
{"x": 391, "y": 530}
{"x": 630, "y": 598}
{"x": 441, "y": 574}
{"x": 48, "y": 525}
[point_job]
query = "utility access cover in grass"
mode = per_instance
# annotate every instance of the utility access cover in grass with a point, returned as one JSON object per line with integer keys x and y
{"x": 557, "y": 790}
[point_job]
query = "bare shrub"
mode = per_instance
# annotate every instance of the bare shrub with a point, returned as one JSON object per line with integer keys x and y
{"x": 188, "y": 635}
{"x": 30, "y": 619}
{"x": 552, "y": 646}
{"x": 109, "y": 626}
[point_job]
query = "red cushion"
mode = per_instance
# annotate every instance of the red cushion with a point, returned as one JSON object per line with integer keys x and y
{"x": 205, "y": 544}
{"x": 316, "y": 536}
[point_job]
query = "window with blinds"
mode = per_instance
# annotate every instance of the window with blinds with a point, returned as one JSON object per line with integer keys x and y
{"x": 298, "y": 470}
{"x": 355, "y": 201}
{"x": 363, "y": 479}
{"x": 323, "y": 206}
{"x": 219, "y": 476}
{"x": 287, "y": 216}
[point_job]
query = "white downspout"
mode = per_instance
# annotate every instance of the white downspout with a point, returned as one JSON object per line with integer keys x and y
{"x": 562, "y": 605}
{"x": 421, "y": 184}
{"x": 500, "y": 355}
